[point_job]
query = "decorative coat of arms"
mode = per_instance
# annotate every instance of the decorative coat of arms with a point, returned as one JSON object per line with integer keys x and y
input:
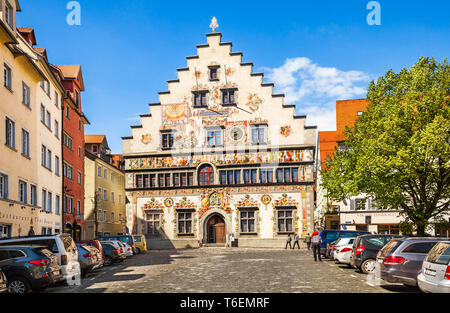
{"x": 146, "y": 139}
{"x": 286, "y": 131}
{"x": 253, "y": 102}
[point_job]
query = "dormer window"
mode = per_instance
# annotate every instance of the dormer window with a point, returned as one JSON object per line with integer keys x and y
{"x": 167, "y": 139}
{"x": 9, "y": 14}
{"x": 214, "y": 73}
{"x": 200, "y": 98}
{"x": 228, "y": 97}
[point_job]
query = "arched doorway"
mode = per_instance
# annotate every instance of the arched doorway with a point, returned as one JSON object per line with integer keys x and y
{"x": 215, "y": 229}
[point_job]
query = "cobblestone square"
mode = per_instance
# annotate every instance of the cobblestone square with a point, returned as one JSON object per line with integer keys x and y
{"x": 227, "y": 270}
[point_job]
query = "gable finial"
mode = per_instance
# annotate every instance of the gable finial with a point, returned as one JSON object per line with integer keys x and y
{"x": 214, "y": 24}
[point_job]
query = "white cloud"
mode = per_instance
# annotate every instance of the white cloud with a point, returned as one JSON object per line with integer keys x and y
{"x": 315, "y": 89}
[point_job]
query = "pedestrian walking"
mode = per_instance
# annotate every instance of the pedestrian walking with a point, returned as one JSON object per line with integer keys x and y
{"x": 288, "y": 242}
{"x": 296, "y": 238}
{"x": 308, "y": 241}
{"x": 316, "y": 240}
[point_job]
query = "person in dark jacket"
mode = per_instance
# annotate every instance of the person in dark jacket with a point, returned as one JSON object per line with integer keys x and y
{"x": 316, "y": 240}
{"x": 288, "y": 242}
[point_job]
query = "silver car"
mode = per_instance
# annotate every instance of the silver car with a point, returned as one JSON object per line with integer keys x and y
{"x": 435, "y": 275}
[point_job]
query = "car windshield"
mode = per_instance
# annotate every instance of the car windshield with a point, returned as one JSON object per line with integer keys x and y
{"x": 137, "y": 239}
{"x": 440, "y": 254}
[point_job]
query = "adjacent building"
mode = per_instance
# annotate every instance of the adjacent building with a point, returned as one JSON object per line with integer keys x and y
{"x": 73, "y": 122}
{"x": 220, "y": 154}
{"x": 19, "y": 157}
{"x": 104, "y": 208}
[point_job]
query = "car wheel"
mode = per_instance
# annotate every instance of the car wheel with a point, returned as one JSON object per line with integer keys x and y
{"x": 368, "y": 266}
{"x": 108, "y": 261}
{"x": 19, "y": 285}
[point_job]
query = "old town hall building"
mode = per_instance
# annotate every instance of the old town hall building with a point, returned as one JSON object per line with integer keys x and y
{"x": 219, "y": 154}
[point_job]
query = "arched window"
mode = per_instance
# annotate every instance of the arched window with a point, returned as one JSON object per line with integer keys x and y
{"x": 206, "y": 175}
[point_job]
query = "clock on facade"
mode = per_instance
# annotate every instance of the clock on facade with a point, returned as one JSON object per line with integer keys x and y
{"x": 235, "y": 134}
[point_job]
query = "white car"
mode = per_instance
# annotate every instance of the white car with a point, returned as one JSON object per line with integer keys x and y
{"x": 435, "y": 274}
{"x": 128, "y": 249}
{"x": 343, "y": 250}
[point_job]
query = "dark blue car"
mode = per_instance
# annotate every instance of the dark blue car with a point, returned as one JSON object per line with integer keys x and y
{"x": 333, "y": 235}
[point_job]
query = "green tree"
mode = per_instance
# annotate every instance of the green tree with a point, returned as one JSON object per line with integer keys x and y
{"x": 399, "y": 150}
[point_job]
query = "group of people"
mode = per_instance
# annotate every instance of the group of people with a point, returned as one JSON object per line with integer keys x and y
{"x": 313, "y": 242}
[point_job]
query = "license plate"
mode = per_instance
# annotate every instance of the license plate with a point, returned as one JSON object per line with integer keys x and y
{"x": 430, "y": 272}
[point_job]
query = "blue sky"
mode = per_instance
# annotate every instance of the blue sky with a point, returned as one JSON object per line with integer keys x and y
{"x": 315, "y": 51}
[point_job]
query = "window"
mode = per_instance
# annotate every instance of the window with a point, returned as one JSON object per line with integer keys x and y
{"x": 10, "y": 133}
{"x": 99, "y": 171}
{"x": 67, "y": 141}
{"x": 25, "y": 94}
{"x": 200, "y": 98}
{"x": 153, "y": 221}
{"x": 45, "y": 85}
{"x": 185, "y": 223}
{"x": 105, "y": 216}
{"x": 48, "y": 120}
{"x": 164, "y": 180}
{"x": 67, "y": 171}
{"x": 287, "y": 175}
{"x": 250, "y": 176}
{"x": 176, "y": 179}
{"x": 44, "y": 200}
{"x": 77, "y": 98}
{"x": 206, "y": 175}
{"x": 99, "y": 216}
{"x": 44, "y": 156}
{"x": 67, "y": 112}
{"x": 3, "y": 186}
{"x": 9, "y": 15}
{"x": 105, "y": 173}
{"x": 105, "y": 195}
{"x": 57, "y": 204}
{"x": 79, "y": 124}
{"x": 228, "y": 97}
{"x": 259, "y": 134}
{"x": 78, "y": 207}
{"x": 420, "y": 247}
{"x": 167, "y": 140}
{"x": 70, "y": 205}
{"x": 56, "y": 99}
{"x": 22, "y": 191}
{"x": 50, "y": 202}
{"x": 56, "y": 129}
{"x": 214, "y": 138}
{"x": 25, "y": 143}
{"x": 266, "y": 176}
{"x": 99, "y": 193}
{"x": 112, "y": 177}
{"x": 79, "y": 152}
{"x": 285, "y": 219}
{"x": 56, "y": 165}
{"x": 112, "y": 196}
{"x": 49, "y": 160}
{"x": 112, "y": 217}
{"x": 230, "y": 177}
{"x": 360, "y": 204}
{"x": 79, "y": 178}
{"x": 42, "y": 114}
{"x": 7, "y": 77}
{"x": 213, "y": 73}
{"x": 247, "y": 221}
{"x": 33, "y": 195}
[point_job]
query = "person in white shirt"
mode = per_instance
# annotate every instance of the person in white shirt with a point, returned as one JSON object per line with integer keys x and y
{"x": 316, "y": 240}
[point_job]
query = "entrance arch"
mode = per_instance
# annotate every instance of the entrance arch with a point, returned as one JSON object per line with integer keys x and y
{"x": 215, "y": 229}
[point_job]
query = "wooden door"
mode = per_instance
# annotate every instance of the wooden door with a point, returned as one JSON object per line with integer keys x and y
{"x": 220, "y": 232}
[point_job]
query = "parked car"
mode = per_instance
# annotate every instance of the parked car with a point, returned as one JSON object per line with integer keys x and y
{"x": 141, "y": 243}
{"x": 3, "y": 282}
{"x": 93, "y": 243}
{"x": 89, "y": 258}
{"x": 330, "y": 248}
{"x": 343, "y": 250}
{"x": 333, "y": 235}
{"x": 128, "y": 249}
{"x": 29, "y": 268}
{"x": 435, "y": 274}
{"x": 122, "y": 238}
{"x": 120, "y": 246}
{"x": 365, "y": 249}
{"x": 62, "y": 246}
{"x": 112, "y": 253}
{"x": 401, "y": 260}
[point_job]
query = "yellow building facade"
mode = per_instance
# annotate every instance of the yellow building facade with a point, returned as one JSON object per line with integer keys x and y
{"x": 18, "y": 132}
{"x": 104, "y": 212}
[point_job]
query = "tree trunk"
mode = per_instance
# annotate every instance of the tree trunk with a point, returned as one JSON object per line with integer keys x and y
{"x": 421, "y": 230}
